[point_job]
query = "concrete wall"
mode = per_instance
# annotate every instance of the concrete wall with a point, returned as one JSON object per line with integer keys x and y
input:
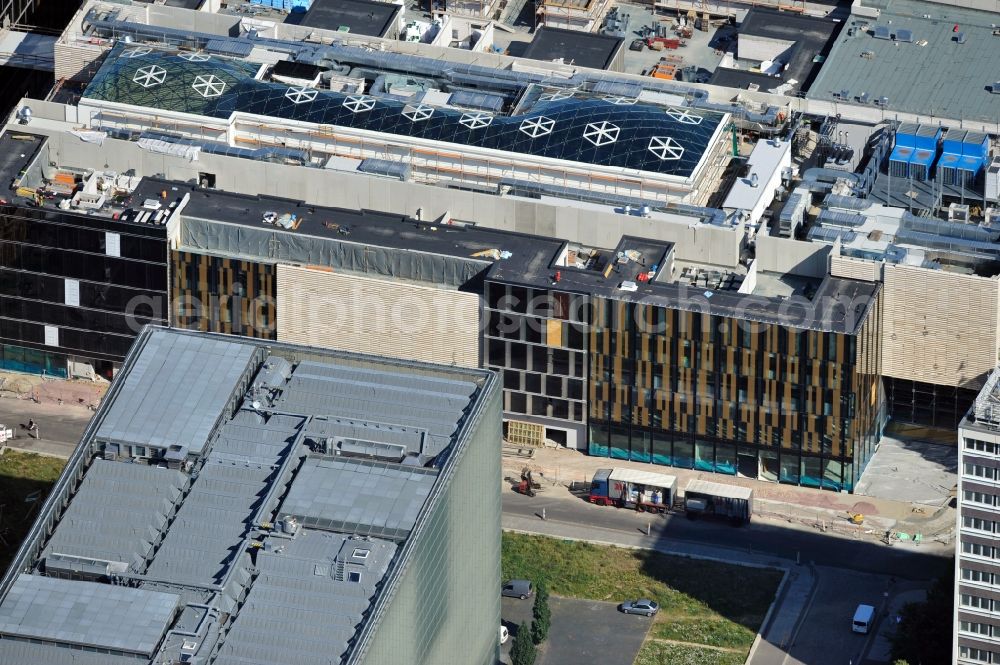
{"x": 318, "y": 307}
{"x": 759, "y": 48}
{"x": 939, "y": 327}
{"x": 851, "y": 268}
{"x": 785, "y": 255}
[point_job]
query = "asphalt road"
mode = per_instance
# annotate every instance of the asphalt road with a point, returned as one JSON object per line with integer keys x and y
{"x": 762, "y": 537}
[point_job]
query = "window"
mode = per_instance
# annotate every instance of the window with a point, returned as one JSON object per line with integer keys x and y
{"x": 139, "y": 451}
{"x": 361, "y": 553}
{"x": 978, "y": 497}
{"x": 977, "y": 576}
{"x": 973, "y": 627}
{"x": 354, "y": 576}
{"x": 977, "y": 524}
{"x": 981, "y": 446}
{"x": 978, "y": 655}
{"x": 975, "y": 549}
{"x": 979, "y": 471}
{"x": 976, "y": 602}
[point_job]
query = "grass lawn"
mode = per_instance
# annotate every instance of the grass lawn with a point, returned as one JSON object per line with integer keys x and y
{"x": 702, "y": 602}
{"x": 22, "y": 474}
{"x": 661, "y": 653}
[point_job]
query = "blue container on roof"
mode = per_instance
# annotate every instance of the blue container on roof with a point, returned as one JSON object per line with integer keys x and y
{"x": 906, "y": 135}
{"x": 953, "y": 141}
{"x": 927, "y": 137}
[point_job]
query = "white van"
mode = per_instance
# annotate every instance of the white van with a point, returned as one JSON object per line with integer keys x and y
{"x": 864, "y": 616}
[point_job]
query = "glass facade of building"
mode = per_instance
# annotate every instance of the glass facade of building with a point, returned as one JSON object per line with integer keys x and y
{"x": 76, "y": 286}
{"x": 766, "y": 401}
{"x": 445, "y": 608}
{"x": 537, "y": 340}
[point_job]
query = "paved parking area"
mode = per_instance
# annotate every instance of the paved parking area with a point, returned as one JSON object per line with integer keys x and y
{"x": 583, "y": 631}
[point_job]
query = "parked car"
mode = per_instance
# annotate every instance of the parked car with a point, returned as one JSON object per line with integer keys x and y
{"x": 517, "y": 589}
{"x": 641, "y": 606}
{"x": 504, "y": 634}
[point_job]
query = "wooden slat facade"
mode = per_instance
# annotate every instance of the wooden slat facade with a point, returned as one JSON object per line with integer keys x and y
{"x": 223, "y": 295}
{"x": 940, "y": 327}
{"x": 736, "y": 393}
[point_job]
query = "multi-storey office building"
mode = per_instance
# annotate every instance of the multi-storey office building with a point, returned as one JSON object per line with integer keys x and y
{"x": 203, "y": 516}
{"x": 977, "y": 547}
{"x": 75, "y": 288}
{"x": 784, "y": 388}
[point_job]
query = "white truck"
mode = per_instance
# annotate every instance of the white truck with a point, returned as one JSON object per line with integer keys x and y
{"x": 627, "y": 488}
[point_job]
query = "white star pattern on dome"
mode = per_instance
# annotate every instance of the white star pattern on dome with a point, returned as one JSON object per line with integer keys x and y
{"x": 359, "y": 104}
{"x": 149, "y": 76}
{"x": 665, "y": 148}
{"x": 136, "y": 52}
{"x": 684, "y": 116}
{"x": 601, "y": 133}
{"x": 476, "y": 120}
{"x": 620, "y": 101}
{"x": 418, "y": 113}
{"x": 300, "y": 95}
{"x": 556, "y": 96}
{"x": 540, "y": 126}
{"x": 194, "y": 57}
{"x": 208, "y": 85}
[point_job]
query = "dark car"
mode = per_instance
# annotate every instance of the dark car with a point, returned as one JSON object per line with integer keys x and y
{"x": 636, "y": 45}
{"x": 641, "y": 606}
{"x": 517, "y": 589}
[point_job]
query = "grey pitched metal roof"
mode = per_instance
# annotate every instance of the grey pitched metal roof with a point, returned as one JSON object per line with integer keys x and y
{"x": 393, "y": 398}
{"x": 304, "y": 608}
{"x": 202, "y": 543}
{"x": 305, "y": 597}
{"x": 28, "y": 653}
{"x": 121, "y": 528}
{"x": 175, "y": 391}
{"x": 359, "y": 496}
{"x": 87, "y": 613}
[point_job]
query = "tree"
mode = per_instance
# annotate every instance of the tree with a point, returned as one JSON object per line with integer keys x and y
{"x": 924, "y": 634}
{"x": 542, "y": 615}
{"x": 522, "y": 652}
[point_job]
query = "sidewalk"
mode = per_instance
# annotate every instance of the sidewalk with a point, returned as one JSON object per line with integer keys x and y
{"x": 814, "y": 508}
{"x": 613, "y": 537}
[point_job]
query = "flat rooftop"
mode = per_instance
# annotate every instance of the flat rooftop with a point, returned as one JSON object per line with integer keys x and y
{"x": 222, "y": 501}
{"x": 584, "y": 49}
{"x": 926, "y": 71}
{"x": 812, "y": 36}
{"x": 836, "y": 305}
{"x": 360, "y": 17}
